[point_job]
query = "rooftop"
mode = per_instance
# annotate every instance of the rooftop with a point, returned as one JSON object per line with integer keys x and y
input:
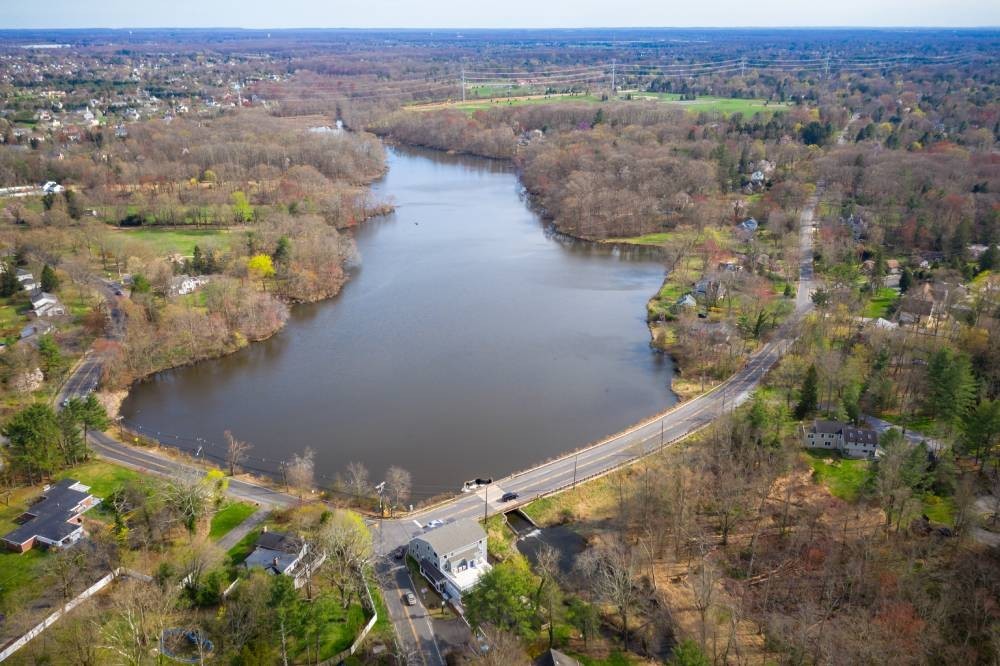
{"x": 49, "y": 517}
{"x": 452, "y": 536}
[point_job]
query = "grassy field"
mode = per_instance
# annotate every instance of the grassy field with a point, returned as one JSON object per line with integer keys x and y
{"x": 10, "y": 320}
{"x": 879, "y": 304}
{"x": 228, "y": 517}
{"x": 845, "y": 477}
{"x": 723, "y": 105}
{"x": 167, "y": 241}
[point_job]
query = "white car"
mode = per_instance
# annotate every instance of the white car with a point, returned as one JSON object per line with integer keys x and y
{"x": 434, "y": 523}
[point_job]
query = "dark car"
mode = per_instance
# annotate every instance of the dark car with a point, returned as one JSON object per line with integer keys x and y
{"x": 400, "y": 552}
{"x": 509, "y": 497}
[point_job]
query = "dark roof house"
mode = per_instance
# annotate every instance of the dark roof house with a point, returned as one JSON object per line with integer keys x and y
{"x": 278, "y": 553}
{"x": 54, "y": 520}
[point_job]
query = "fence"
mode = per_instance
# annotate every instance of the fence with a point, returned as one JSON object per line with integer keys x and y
{"x": 363, "y": 634}
{"x": 70, "y": 605}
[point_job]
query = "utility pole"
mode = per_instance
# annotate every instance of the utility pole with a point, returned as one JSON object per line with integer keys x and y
{"x": 827, "y": 67}
{"x": 463, "y": 84}
{"x": 661, "y": 434}
{"x": 743, "y": 67}
{"x": 575, "y": 459}
{"x": 486, "y": 503}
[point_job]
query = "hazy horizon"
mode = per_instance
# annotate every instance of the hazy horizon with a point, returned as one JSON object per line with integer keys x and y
{"x": 516, "y": 14}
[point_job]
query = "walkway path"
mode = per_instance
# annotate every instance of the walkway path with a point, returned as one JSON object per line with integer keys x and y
{"x": 233, "y": 536}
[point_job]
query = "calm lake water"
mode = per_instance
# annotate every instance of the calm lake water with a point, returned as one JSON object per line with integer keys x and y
{"x": 470, "y": 341}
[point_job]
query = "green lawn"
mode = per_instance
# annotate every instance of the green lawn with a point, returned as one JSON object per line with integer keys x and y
{"x": 239, "y": 552}
{"x": 167, "y": 241}
{"x": 845, "y": 477}
{"x": 20, "y": 574}
{"x": 102, "y": 477}
{"x": 879, "y": 304}
{"x": 939, "y": 509}
{"x": 228, "y": 517}
{"x": 10, "y": 320}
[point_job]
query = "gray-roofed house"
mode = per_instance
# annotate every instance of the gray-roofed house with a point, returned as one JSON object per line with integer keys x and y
{"x": 55, "y": 519}
{"x": 849, "y": 440}
{"x": 278, "y": 553}
{"x": 452, "y": 557}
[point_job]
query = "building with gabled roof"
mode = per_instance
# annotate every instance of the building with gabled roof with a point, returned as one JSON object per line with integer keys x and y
{"x": 55, "y": 519}
{"x": 844, "y": 438}
{"x": 452, "y": 557}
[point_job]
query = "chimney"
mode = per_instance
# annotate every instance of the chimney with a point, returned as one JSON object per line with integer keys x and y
{"x": 275, "y": 562}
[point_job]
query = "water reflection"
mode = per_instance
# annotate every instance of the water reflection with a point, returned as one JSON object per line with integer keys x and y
{"x": 470, "y": 341}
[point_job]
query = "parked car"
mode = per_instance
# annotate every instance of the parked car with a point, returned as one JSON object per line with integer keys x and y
{"x": 400, "y": 552}
{"x": 434, "y": 523}
{"x": 410, "y": 599}
{"x": 509, "y": 497}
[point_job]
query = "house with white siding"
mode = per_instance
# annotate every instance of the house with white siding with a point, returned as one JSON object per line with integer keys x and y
{"x": 451, "y": 557}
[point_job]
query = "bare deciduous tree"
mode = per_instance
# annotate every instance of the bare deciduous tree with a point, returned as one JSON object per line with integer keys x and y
{"x": 611, "y": 571}
{"x": 357, "y": 482}
{"x": 397, "y": 486}
{"x": 235, "y": 452}
{"x": 300, "y": 472}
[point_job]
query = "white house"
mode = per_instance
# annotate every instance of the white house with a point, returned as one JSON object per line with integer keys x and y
{"x": 841, "y": 437}
{"x": 52, "y": 187}
{"x": 186, "y": 284}
{"x": 45, "y": 304}
{"x": 26, "y": 279}
{"x": 452, "y": 557}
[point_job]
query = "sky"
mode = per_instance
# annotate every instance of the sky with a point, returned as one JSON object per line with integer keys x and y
{"x": 494, "y": 14}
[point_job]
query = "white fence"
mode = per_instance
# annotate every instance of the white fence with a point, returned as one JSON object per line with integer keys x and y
{"x": 70, "y": 605}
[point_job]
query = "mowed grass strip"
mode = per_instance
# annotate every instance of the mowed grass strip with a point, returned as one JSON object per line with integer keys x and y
{"x": 228, "y": 517}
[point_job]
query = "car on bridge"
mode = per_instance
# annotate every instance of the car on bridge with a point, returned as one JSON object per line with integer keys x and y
{"x": 509, "y": 497}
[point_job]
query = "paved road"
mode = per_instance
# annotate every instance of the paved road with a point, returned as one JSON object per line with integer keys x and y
{"x": 233, "y": 536}
{"x": 635, "y": 442}
{"x": 412, "y": 625}
{"x": 153, "y": 463}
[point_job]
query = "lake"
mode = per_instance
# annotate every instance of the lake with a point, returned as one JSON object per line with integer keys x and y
{"x": 470, "y": 341}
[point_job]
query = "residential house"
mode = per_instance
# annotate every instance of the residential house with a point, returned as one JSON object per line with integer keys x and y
{"x": 26, "y": 279}
{"x": 44, "y": 304}
{"x": 36, "y": 329}
{"x": 709, "y": 290}
{"x": 686, "y": 301}
{"x": 844, "y": 438}
{"x": 281, "y": 554}
{"x": 452, "y": 557}
{"x": 52, "y": 187}
{"x": 55, "y": 520}
{"x": 186, "y": 284}
{"x": 749, "y": 225}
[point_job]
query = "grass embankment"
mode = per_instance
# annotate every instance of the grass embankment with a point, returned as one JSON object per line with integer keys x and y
{"x": 228, "y": 517}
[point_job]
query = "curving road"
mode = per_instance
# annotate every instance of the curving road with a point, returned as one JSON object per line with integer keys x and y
{"x": 413, "y": 625}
